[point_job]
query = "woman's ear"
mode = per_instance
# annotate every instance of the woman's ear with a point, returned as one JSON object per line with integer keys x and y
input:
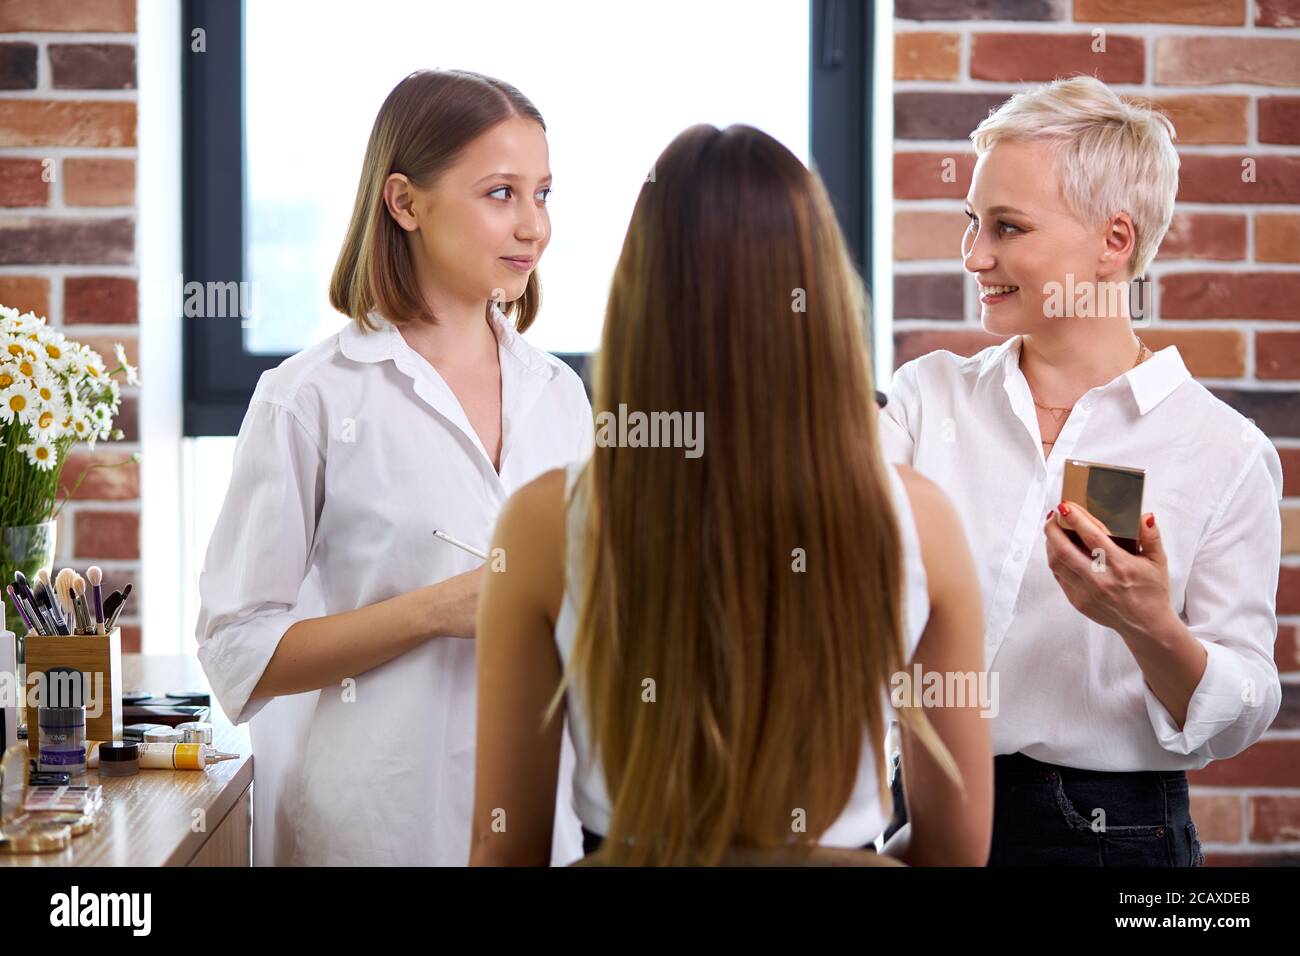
{"x": 399, "y": 197}
{"x": 1121, "y": 240}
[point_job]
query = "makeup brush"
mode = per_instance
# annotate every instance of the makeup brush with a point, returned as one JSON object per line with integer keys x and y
{"x": 79, "y": 604}
{"x": 47, "y": 601}
{"x": 63, "y": 585}
{"x": 110, "y": 605}
{"x": 24, "y": 589}
{"x": 43, "y": 577}
{"x": 21, "y": 605}
{"x": 95, "y": 575}
{"x": 126, "y": 592}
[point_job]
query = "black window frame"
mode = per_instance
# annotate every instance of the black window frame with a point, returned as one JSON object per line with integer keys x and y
{"x": 219, "y": 374}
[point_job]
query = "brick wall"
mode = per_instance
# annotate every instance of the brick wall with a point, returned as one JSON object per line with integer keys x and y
{"x": 1226, "y": 283}
{"x": 67, "y": 236}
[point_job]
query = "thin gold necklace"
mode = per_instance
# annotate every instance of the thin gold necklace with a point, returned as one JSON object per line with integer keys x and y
{"x": 1142, "y": 353}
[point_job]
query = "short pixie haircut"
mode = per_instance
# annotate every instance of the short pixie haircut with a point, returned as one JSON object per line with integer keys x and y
{"x": 1112, "y": 156}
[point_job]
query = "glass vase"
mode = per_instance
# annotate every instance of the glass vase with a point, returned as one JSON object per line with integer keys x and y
{"x": 25, "y": 548}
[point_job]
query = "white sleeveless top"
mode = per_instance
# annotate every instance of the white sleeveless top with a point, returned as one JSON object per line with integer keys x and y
{"x": 863, "y": 818}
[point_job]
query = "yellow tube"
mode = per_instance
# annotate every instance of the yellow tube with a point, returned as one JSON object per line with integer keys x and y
{"x": 157, "y": 756}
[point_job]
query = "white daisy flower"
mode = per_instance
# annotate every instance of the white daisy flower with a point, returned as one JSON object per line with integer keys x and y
{"x": 132, "y": 375}
{"x": 18, "y": 400}
{"x": 42, "y": 454}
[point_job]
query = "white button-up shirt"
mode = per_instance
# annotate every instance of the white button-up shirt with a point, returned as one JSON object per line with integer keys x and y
{"x": 1069, "y": 690}
{"x": 351, "y": 454}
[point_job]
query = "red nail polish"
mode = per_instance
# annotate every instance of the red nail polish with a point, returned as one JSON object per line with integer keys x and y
{"x": 1049, "y": 515}
{"x": 1151, "y": 521}
{"x": 1065, "y": 509}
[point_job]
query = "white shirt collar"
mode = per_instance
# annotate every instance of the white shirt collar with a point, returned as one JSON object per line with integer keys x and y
{"x": 387, "y": 343}
{"x": 1151, "y": 382}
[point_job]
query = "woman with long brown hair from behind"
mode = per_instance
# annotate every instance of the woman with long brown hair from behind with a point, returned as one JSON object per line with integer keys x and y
{"x": 723, "y": 621}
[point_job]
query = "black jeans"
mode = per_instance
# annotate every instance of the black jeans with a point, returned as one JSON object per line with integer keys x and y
{"x": 1047, "y": 815}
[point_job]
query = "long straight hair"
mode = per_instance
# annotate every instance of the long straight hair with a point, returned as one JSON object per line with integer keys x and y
{"x": 741, "y": 613}
{"x": 422, "y": 127}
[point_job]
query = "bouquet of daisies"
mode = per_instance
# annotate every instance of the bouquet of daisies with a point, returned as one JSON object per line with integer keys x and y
{"x": 53, "y": 393}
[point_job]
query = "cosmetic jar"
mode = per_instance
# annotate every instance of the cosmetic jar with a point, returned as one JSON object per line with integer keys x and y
{"x": 119, "y": 758}
{"x": 61, "y": 720}
{"x": 162, "y": 735}
{"x": 196, "y": 732}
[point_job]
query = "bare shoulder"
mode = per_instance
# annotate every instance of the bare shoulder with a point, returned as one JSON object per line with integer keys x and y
{"x": 530, "y": 536}
{"x": 938, "y": 527}
{"x": 537, "y": 499}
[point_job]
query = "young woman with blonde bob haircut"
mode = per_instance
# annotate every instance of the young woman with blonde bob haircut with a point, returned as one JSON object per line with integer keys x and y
{"x": 721, "y": 630}
{"x": 332, "y": 616}
{"x": 1117, "y": 672}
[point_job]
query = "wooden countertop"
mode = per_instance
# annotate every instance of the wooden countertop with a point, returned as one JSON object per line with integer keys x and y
{"x": 150, "y": 819}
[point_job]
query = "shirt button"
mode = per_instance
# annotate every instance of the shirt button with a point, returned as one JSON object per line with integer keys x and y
{"x": 1019, "y": 554}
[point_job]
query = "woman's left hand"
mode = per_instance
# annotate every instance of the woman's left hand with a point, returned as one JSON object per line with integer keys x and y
{"x": 1126, "y": 592}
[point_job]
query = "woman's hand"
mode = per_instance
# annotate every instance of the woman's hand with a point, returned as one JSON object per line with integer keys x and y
{"x": 1125, "y": 592}
{"x": 453, "y": 604}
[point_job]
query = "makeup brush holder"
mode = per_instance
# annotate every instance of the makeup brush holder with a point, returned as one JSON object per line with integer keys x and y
{"x": 99, "y": 658}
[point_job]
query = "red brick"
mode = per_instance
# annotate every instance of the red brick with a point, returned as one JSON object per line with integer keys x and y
{"x": 98, "y": 182}
{"x": 92, "y": 66}
{"x": 1279, "y": 119}
{"x": 1277, "y": 237}
{"x": 917, "y": 342}
{"x": 1230, "y": 295}
{"x": 1266, "y": 763}
{"x": 67, "y": 123}
{"x": 928, "y": 234}
{"x": 941, "y": 114}
{"x": 933, "y": 175}
{"x": 1223, "y": 13}
{"x": 1218, "y": 817}
{"x": 132, "y": 638}
{"x": 1202, "y": 119}
{"x": 26, "y": 293}
{"x": 1274, "y": 819}
{"x": 1290, "y": 532}
{"x": 1286, "y": 652}
{"x": 28, "y": 240}
{"x": 1020, "y": 57}
{"x": 1212, "y": 60}
{"x": 1223, "y": 179}
{"x": 17, "y": 66}
{"x": 100, "y": 300}
{"x": 1276, "y": 412}
{"x": 1290, "y": 471}
{"x": 1288, "y": 590}
{"x": 1277, "y": 13}
{"x": 22, "y": 182}
{"x": 107, "y": 535}
{"x": 931, "y": 296}
{"x": 1204, "y": 235}
{"x": 121, "y": 482}
{"x": 926, "y": 56}
{"x": 1277, "y": 354}
{"x": 67, "y": 16}
{"x": 1217, "y": 353}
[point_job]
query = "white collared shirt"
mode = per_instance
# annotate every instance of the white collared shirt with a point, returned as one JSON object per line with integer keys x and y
{"x": 351, "y": 453}
{"x": 1069, "y": 690}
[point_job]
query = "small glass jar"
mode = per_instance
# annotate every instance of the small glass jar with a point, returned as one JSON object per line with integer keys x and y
{"x": 61, "y": 721}
{"x": 119, "y": 758}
